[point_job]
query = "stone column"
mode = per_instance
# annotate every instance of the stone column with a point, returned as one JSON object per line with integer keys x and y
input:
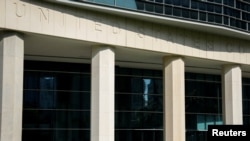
{"x": 11, "y": 86}
{"x": 174, "y": 98}
{"x": 232, "y": 94}
{"x": 102, "y": 94}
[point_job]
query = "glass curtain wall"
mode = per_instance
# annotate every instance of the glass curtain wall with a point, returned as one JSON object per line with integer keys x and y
{"x": 203, "y": 104}
{"x": 228, "y": 13}
{"x": 137, "y": 89}
{"x": 246, "y": 100}
{"x": 138, "y": 105}
{"x": 56, "y": 104}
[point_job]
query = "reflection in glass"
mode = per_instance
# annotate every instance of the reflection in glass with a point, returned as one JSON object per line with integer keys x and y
{"x": 231, "y": 9}
{"x": 200, "y": 123}
{"x": 146, "y": 91}
{"x": 138, "y": 105}
{"x": 131, "y": 4}
{"x": 56, "y": 102}
{"x": 203, "y": 104}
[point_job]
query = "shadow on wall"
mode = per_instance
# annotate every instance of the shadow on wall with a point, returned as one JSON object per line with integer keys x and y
{"x": 132, "y": 32}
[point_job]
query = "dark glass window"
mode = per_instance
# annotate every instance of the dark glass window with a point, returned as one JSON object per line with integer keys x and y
{"x": 138, "y": 105}
{"x": 160, "y": 1}
{"x": 232, "y": 22}
{"x": 177, "y": 11}
{"x": 185, "y": 3}
{"x": 177, "y": 2}
{"x": 210, "y": 8}
{"x": 229, "y": 2}
{"x": 218, "y": 1}
{"x": 218, "y": 19}
{"x": 139, "y": 120}
{"x": 139, "y": 102}
{"x": 218, "y": 9}
{"x": 194, "y": 15}
{"x": 159, "y": 9}
{"x": 138, "y": 135}
{"x": 226, "y": 20}
{"x": 169, "y": 1}
{"x": 202, "y": 103}
{"x": 189, "y": 9}
{"x": 57, "y": 111}
{"x": 185, "y": 13}
{"x": 211, "y": 17}
{"x": 140, "y": 5}
{"x": 56, "y": 101}
{"x": 149, "y": 7}
{"x": 203, "y": 16}
{"x": 246, "y": 100}
{"x": 243, "y": 25}
{"x": 135, "y": 113}
{"x": 194, "y": 4}
{"x": 168, "y": 10}
{"x": 195, "y": 136}
{"x": 56, "y": 135}
{"x": 202, "y": 6}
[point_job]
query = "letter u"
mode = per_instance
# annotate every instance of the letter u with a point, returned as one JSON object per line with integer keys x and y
{"x": 20, "y": 10}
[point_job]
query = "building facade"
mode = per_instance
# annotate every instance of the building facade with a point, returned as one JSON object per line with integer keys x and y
{"x": 122, "y": 70}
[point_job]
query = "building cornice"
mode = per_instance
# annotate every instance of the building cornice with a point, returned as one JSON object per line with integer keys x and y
{"x": 210, "y": 28}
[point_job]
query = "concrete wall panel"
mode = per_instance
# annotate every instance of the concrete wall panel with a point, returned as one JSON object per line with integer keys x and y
{"x": 75, "y": 23}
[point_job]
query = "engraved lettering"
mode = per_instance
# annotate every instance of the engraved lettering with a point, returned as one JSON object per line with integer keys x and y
{"x": 44, "y": 15}
{"x": 80, "y": 24}
{"x": 80, "y": 21}
{"x": 98, "y": 24}
{"x": 140, "y": 32}
{"x": 116, "y": 28}
{"x": 20, "y": 9}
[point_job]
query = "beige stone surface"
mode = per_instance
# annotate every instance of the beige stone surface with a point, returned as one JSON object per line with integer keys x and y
{"x": 2, "y": 13}
{"x": 102, "y": 94}
{"x": 11, "y": 86}
{"x": 75, "y": 23}
{"x": 174, "y": 99}
{"x": 232, "y": 94}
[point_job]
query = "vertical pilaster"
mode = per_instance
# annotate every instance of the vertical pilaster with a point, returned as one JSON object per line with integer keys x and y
{"x": 2, "y": 13}
{"x": 102, "y": 94}
{"x": 232, "y": 94}
{"x": 174, "y": 98}
{"x": 11, "y": 86}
